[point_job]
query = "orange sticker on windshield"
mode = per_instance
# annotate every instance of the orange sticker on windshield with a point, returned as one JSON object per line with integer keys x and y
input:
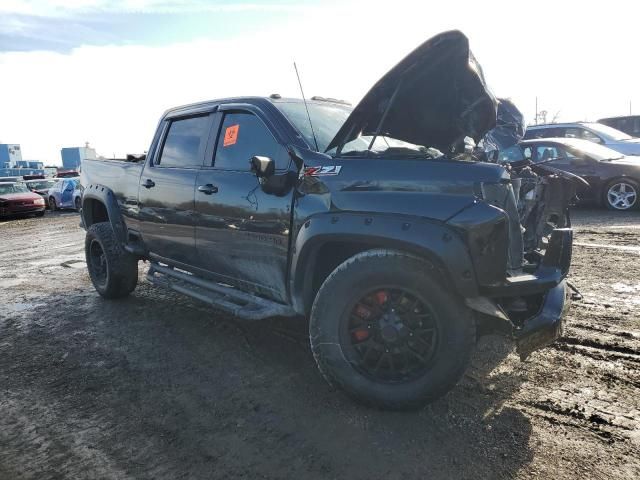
{"x": 231, "y": 135}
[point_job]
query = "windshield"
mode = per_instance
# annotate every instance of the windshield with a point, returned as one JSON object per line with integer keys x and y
{"x": 8, "y": 188}
{"x": 326, "y": 119}
{"x": 43, "y": 185}
{"x": 612, "y": 133}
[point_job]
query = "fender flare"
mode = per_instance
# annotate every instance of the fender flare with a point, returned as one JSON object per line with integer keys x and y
{"x": 106, "y": 197}
{"x": 431, "y": 240}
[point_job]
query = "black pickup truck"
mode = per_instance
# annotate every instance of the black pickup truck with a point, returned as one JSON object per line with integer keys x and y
{"x": 399, "y": 255}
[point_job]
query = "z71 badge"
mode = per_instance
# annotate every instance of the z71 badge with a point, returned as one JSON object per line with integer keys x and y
{"x": 320, "y": 171}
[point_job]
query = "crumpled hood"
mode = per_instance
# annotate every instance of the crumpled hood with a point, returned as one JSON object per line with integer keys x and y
{"x": 434, "y": 97}
{"x": 509, "y": 129}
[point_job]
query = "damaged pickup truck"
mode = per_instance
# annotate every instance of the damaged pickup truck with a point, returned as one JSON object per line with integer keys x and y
{"x": 377, "y": 223}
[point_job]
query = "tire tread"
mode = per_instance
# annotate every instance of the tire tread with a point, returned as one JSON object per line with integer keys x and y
{"x": 123, "y": 267}
{"x": 457, "y": 370}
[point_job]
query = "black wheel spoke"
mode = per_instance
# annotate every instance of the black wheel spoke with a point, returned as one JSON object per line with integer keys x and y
{"x": 379, "y": 363}
{"x": 423, "y": 341}
{"x": 393, "y": 333}
{"x": 422, "y": 359}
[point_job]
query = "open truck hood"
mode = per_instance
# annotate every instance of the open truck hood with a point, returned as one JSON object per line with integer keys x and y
{"x": 434, "y": 97}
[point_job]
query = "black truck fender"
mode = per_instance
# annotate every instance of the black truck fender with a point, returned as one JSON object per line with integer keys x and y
{"x": 99, "y": 204}
{"x": 431, "y": 240}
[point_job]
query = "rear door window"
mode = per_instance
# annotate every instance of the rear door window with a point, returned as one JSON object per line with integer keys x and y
{"x": 545, "y": 132}
{"x": 592, "y": 137}
{"x": 185, "y": 142}
{"x": 582, "y": 133}
{"x": 242, "y": 136}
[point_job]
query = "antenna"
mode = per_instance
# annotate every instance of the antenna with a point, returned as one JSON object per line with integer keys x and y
{"x": 315, "y": 140}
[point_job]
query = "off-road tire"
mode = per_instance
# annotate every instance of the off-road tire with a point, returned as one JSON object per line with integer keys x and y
{"x": 364, "y": 272}
{"x": 121, "y": 267}
{"x": 53, "y": 206}
{"x": 77, "y": 204}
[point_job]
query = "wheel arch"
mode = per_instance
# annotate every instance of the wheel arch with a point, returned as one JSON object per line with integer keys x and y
{"x": 325, "y": 241}
{"x": 99, "y": 204}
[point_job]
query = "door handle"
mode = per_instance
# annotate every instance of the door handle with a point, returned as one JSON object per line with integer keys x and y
{"x": 208, "y": 189}
{"x": 149, "y": 183}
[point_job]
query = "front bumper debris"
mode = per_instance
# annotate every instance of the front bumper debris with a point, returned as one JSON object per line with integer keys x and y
{"x": 553, "y": 267}
{"x": 546, "y": 326}
{"x": 546, "y": 283}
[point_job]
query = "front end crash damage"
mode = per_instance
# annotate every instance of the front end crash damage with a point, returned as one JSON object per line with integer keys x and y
{"x": 517, "y": 230}
{"x": 521, "y": 226}
{"x": 521, "y": 243}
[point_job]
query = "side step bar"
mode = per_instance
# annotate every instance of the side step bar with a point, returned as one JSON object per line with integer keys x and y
{"x": 226, "y": 298}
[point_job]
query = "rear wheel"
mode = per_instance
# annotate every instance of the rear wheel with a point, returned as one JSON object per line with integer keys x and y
{"x": 113, "y": 271}
{"x": 385, "y": 329}
{"x": 621, "y": 194}
{"x": 40, "y": 214}
{"x": 52, "y": 204}
{"x": 77, "y": 204}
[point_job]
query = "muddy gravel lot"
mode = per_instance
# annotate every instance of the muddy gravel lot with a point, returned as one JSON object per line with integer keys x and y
{"x": 158, "y": 386}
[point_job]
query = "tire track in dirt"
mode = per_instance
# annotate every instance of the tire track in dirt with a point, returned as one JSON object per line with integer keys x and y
{"x": 605, "y": 329}
{"x": 580, "y": 417}
{"x": 604, "y": 355}
{"x": 633, "y": 354}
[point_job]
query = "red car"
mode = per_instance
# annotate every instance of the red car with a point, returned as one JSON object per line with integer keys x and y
{"x": 16, "y": 199}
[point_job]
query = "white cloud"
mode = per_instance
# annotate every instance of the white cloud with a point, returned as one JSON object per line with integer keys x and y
{"x": 113, "y": 96}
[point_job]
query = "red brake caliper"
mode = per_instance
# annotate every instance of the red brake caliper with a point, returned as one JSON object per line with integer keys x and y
{"x": 361, "y": 334}
{"x": 364, "y": 313}
{"x": 381, "y": 297}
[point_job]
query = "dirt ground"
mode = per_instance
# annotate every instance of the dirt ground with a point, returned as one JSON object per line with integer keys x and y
{"x": 158, "y": 386}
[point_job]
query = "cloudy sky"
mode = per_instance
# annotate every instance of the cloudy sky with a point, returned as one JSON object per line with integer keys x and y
{"x": 103, "y": 71}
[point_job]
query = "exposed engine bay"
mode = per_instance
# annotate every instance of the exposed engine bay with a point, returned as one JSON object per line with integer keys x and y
{"x": 542, "y": 194}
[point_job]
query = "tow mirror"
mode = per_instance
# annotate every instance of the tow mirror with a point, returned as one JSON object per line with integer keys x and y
{"x": 262, "y": 166}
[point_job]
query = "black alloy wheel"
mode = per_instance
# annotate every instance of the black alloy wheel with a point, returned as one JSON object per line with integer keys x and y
{"x": 98, "y": 263}
{"x": 391, "y": 335}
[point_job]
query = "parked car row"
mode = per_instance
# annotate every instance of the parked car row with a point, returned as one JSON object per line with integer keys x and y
{"x": 591, "y": 131}
{"x": 32, "y": 197}
{"x": 606, "y": 159}
{"x": 614, "y": 178}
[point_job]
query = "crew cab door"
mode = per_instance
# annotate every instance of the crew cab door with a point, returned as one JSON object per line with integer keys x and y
{"x": 167, "y": 187}
{"x": 242, "y": 232}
